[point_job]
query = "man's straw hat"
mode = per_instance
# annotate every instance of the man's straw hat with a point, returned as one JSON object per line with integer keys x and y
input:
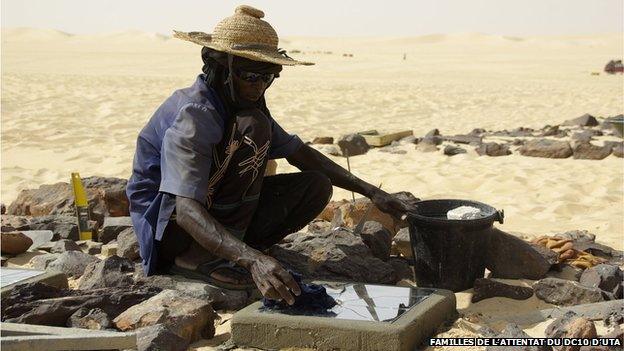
{"x": 244, "y": 34}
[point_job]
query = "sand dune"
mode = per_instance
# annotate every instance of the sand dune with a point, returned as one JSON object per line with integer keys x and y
{"x": 77, "y": 103}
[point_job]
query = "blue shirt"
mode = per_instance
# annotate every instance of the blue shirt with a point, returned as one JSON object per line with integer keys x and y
{"x": 174, "y": 157}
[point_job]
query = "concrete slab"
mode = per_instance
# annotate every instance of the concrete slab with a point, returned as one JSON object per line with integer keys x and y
{"x": 367, "y": 317}
{"x": 10, "y": 277}
{"x": 20, "y": 337}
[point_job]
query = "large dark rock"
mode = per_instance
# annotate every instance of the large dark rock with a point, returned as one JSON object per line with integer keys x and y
{"x": 94, "y": 319}
{"x": 585, "y": 120}
{"x": 607, "y": 277}
{"x": 159, "y": 338}
{"x": 546, "y": 148}
{"x": 377, "y": 238}
{"x": 618, "y": 150}
{"x": 38, "y": 303}
{"x": 353, "y": 145}
{"x": 571, "y": 325}
{"x": 112, "y": 227}
{"x": 14, "y": 243}
{"x": 464, "y": 139}
{"x": 487, "y": 288}
{"x": 127, "y": 244}
{"x": 493, "y": 149}
{"x": 507, "y": 256}
{"x": 185, "y": 316}
{"x": 72, "y": 263}
{"x": 402, "y": 244}
{"x": 106, "y": 197}
{"x": 513, "y": 331}
{"x": 64, "y": 245}
{"x": 336, "y": 255}
{"x": 63, "y": 227}
{"x": 563, "y": 292}
{"x": 451, "y": 150}
{"x": 432, "y": 138}
{"x": 219, "y": 298}
{"x": 588, "y": 151}
{"x": 114, "y": 271}
{"x": 554, "y": 131}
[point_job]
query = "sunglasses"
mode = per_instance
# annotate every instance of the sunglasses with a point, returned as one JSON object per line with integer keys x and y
{"x": 253, "y": 77}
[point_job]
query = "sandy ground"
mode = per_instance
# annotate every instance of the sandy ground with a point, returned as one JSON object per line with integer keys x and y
{"x": 77, "y": 103}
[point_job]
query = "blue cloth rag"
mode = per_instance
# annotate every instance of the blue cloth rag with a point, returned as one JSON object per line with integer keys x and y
{"x": 313, "y": 298}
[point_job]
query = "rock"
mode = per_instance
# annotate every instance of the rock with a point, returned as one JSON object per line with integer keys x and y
{"x": 377, "y": 238}
{"x": 111, "y": 272}
{"x": 451, "y": 150}
{"x": 41, "y": 239}
{"x": 521, "y": 132}
{"x": 63, "y": 227}
{"x": 2, "y": 208}
{"x": 333, "y": 150}
{"x": 615, "y": 316}
{"x": 566, "y": 272}
{"x": 109, "y": 249}
{"x": 127, "y": 244}
{"x": 432, "y": 138}
{"x": 605, "y": 277}
{"x": 570, "y": 325}
{"x": 72, "y": 263}
{"x": 513, "y": 331}
{"x": 352, "y": 213}
{"x": 588, "y": 151}
{"x": 426, "y": 147}
{"x": 392, "y": 150}
{"x": 353, "y": 145}
{"x": 563, "y": 292}
{"x": 94, "y": 319}
{"x": 323, "y": 140}
{"x": 112, "y": 227}
{"x": 92, "y": 247}
{"x": 618, "y": 150}
{"x": 585, "y": 120}
{"x": 583, "y": 137}
{"x": 220, "y": 299}
{"x": 477, "y": 132}
{"x": 337, "y": 255}
{"x": 319, "y": 226}
{"x": 518, "y": 142}
{"x": 510, "y": 257}
{"x": 410, "y": 139}
{"x": 42, "y": 262}
{"x": 402, "y": 243}
{"x": 558, "y": 328}
{"x": 577, "y": 236}
{"x": 158, "y": 338}
{"x": 187, "y": 317}
{"x": 546, "y": 148}
{"x": 64, "y": 245}
{"x": 463, "y": 139}
{"x": 487, "y": 288}
{"x": 106, "y": 196}
{"x": 14, "y": 243}
{"x": 402, "y": 269}
{"x": 493, "y": 149}
{"x": 553, "y": 131}
{"x": 42, "y": 304}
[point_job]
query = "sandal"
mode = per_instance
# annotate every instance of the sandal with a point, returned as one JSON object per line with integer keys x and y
{"x": 204, "y": 272}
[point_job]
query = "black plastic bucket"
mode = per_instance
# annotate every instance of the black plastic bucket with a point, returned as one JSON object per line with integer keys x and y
{"x": 449, "y": 253}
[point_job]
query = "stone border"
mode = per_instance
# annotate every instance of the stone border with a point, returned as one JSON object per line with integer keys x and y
{"x": 251, "y": 328}
{"x": 18, "y": 337}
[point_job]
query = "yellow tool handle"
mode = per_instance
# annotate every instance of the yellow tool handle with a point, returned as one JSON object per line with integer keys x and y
{"x": 82, "y": 207}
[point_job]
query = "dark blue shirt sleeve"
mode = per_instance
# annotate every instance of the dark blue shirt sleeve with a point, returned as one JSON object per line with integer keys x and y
{"x": 282, "y": 143}
{"x": 187, "y": 152}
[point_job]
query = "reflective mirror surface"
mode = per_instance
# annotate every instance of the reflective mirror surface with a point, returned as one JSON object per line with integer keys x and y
{"x": 367, "y": 302}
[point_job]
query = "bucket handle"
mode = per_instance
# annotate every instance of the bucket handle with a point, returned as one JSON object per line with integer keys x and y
{"x": 500, "y": 216}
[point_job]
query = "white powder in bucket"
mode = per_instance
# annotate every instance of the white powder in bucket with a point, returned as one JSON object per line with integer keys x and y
{"x": 464, "y": 212}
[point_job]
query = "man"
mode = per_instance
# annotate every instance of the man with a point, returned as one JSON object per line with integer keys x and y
{"x": 199, "y": 201}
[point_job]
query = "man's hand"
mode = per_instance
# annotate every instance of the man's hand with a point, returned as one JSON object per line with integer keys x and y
{"x": 391, "y": 204}
{"x": 273, "y": 281}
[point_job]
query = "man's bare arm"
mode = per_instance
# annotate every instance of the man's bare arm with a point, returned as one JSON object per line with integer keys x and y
{"x": 307, "y": 158}
{"x": 272, "y": 280}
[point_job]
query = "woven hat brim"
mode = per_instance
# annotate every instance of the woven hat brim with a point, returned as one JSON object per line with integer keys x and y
{"x": 256, "y": 54}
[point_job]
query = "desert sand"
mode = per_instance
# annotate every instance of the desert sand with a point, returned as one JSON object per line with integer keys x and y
{"x": 77, "y": 103}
